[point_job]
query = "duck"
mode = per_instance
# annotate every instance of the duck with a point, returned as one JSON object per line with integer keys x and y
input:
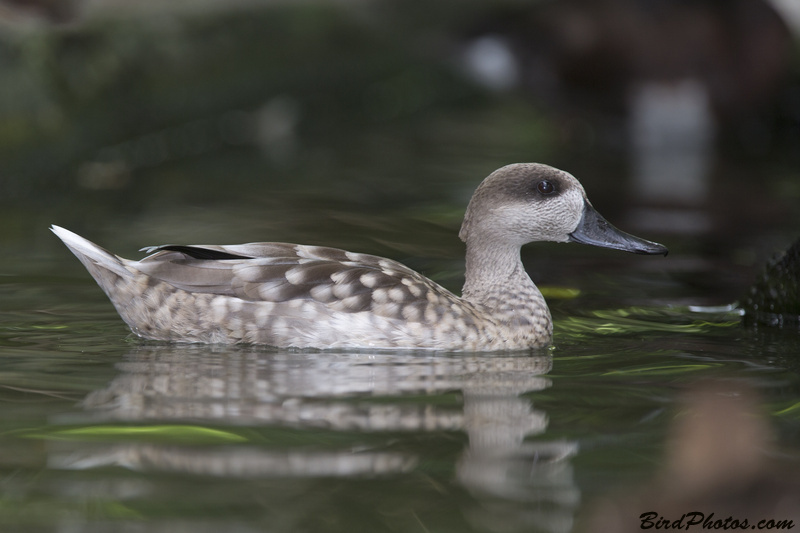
{"x": 313, "y": 297}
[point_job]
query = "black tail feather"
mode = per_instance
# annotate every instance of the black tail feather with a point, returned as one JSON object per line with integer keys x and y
{"x": 195, "y": 252}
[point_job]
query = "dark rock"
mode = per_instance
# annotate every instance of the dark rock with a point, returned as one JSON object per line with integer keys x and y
{"x": 774, "y": 299}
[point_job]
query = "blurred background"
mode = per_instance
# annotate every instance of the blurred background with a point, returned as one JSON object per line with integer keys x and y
{"x": 367, "y": 124}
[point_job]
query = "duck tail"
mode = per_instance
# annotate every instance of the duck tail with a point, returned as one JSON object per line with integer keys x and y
{"x": 104, "y": 266}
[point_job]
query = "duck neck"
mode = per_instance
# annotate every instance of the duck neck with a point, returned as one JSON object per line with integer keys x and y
{"x": 493, "y": 271}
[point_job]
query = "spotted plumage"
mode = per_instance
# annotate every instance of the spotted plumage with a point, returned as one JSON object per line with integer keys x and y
{"x": 291, "y": 295}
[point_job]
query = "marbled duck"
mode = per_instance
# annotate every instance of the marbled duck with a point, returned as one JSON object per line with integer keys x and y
{"x": 290, "y": 295}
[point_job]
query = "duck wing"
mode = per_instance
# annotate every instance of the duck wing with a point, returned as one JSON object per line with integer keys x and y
{"x": 281, "y": 272}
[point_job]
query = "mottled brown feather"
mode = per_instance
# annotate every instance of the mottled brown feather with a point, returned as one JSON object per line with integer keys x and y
{"x": 280, "y": 272}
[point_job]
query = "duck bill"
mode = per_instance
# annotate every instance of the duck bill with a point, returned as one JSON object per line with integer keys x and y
{"x": 595, "y": 230}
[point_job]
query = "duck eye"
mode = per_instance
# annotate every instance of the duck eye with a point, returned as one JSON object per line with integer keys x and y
{"x": 545, "y": 187}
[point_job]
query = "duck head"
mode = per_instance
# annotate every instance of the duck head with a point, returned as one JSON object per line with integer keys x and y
{"x": 529, "y": 202}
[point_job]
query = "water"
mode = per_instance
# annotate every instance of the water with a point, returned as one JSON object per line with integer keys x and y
{"x": 101, "y": 432}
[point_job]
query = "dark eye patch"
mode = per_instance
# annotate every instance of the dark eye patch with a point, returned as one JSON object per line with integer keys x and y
{"x": 546, "y": 187}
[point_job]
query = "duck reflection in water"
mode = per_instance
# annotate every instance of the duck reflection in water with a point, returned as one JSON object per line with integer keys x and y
{"x": 355, "y": 394}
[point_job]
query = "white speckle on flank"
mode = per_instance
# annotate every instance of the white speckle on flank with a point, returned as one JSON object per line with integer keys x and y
{"x": 322, "y": 293}
{"x": 412, "y": 313}
{"x": 370, "y": 279}
{"x": 219, "y": 309}
{"x": 380, "y": 296}
{"x": 414, "y": 289}
{"x": 342, "y": 291}
{"x": 397, "y": 294}
{"x": 339, "y": 276}
{"x": 296, "y": 275}
{"x": 355, "y": 257}
{"x": 263, "y": 313}
{"x": 430, "y": 314}
{"x": 235, "y": 305}
{"x": 352, "y": 302}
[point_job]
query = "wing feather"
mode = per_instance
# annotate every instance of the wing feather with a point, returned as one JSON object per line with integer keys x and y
{"x": 281, "y": 272}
